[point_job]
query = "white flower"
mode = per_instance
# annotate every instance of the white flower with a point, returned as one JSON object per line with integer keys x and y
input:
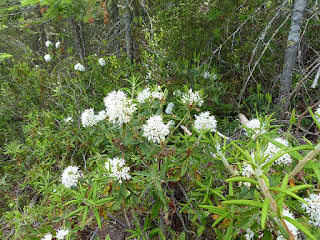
{"x": 249, "y": 234}
{"x": 255, "y": 125}
{"x": 118, "y": 169}
{"x": 61, "y": 233}
{"x": 58, "y": 44}
{"x": 313, "y": 209}
{"x": 119, "y": 109}
{"x": 88, "y": 118}
{"x": 317, "y": 113}
{"x": 155, "y": 130}
{"x": 158, "y": 95}
{"x": 70, "y": 176}
{"x": 48, "y": 236}
{"x": 68, "y": 120}
{"x": 192, "y": 98}
{"x": 102, "y": 62}
{"x": 102, "y": 115}
{"x": 47, "y": 57}
{"x": 79, "y": 67}
{"x": 48, "y": 44}
{"x": 144, "y": 95}
{"x": 206, "y": 75}
{"x": 205, "y": 122}
{"x": 273, "y": 149}
{"x": 169, "y": 108}
{"x": 247, "y": 170}
{"x": 292, "y": 228}
{"x": 177, "y": 93}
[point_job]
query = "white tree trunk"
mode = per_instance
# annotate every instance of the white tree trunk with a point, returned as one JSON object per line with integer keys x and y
{"x": 290, "y": 56}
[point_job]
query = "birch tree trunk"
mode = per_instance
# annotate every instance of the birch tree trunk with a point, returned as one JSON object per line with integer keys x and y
{"x": 128, "y": 32}
{"x": 42, "y": 35}
{"x": 290, "y": 56}
{"x": 115, "y": 16}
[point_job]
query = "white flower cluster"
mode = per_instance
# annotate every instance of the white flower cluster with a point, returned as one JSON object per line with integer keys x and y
{"x": 212, "y": 76}
{"x": 313, "y": 209}
{"x": 48, "y": 236}
{"x": 249, "y": 234}
{"x": 169, "y": 108}
{"x": 317, "y": 113}
{"x": 158, "y": 94}
{"x": 273, "y": 149}
{"x": 118, "y": 169}
{"x": 57, "y": 45}
{"x": 119, "y": 108}
{"x": 256, "y": 126}
{"x": 47, "y": 57}
{"x": 68, "y": 120}
{"x": 192, "y": 98}
{"x": 177, "y": 93}
{"x": 48, "y": 43}
{"x": 79, "y": 67}
{"x": 88, "y": 118}
{"x": 70, "y": 176}
{"x": 292, "y": 228}
{"x": 61, "y": 233}
{"x": 144, "y": 95}
{"x": 155, "y": 130}
{"x": 102, "y": 62}
{"x": 247, "y": 170}
{"x": 205, "y": 122}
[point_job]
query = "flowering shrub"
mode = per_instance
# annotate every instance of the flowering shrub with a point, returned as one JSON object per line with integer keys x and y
{"x": 162, "y": 163}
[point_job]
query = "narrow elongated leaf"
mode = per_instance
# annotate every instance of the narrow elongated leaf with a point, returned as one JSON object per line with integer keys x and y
{"x": 75, "y": 211}
{"x": 104, "y": 201}
{"x": 288, "y": 192}
{"x": 219, "y": 219}
{"x": 85, "y": 213}
{"x": 300, "y": 226}
{"x": 97, "y": 216}
{"x": 264, "y": 212}
{"x": 244, "y": 202}
{"x": 215, "y": 210}
{"x": 244, "y": 153}
{"x": 243, "y": 179}
{"x": 315, "y": 169}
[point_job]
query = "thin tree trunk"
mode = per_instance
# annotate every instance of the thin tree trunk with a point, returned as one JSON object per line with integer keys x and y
{"x": 115, "y": 16}
{"x": 290, "y": 56}
{"x": 77, "y": 37}
{"x": 83, "y": 43}
{"x": 42, "y": 37}
{"x": 128, "y": 32}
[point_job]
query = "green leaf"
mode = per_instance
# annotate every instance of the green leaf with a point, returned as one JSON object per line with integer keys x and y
{"x": 300, "y": 226}
{"x": 97, "y": 216}
{"x": 182, "y": 236}
{"x": 215, "y": 210}
{"x": 155, "y": 210}
{"x": 243, "y": 179}
{"x": 104, "y": 201}
{"x": 75, "y": 212}
{"x": 264, "y": 212}
{"x": 99, "y": 140}
{"x": 244, "y": 153}
{"x": 243, "y": 202}
{"x": 228, "y": 235}
{"x": 219, "y": 219}
{"x": 315, "y": 169}
{"x": 85, "y": 213}
{"x": 288, "y": 192}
